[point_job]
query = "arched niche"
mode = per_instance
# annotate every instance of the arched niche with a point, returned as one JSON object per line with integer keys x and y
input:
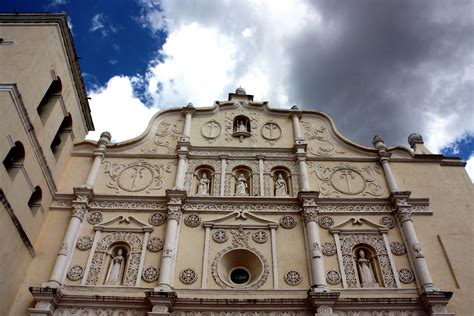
{"x": 366, "y": 263}
{"x": 13, "y": 162}
{"x": 241, "y": 127}
{"x": 203, "y": 181}
{"x": 46, "y": 104}
{"x": 281, "y": 182}
{"x": 242, "y": 181}
{"x": 59, "y": 139}
{"x": 116, "y": 264}
{"x": 35, "y": 199}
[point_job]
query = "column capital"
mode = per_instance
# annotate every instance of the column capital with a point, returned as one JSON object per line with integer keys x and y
{"x": 300, "y": 148}
{"x": 161, "y": 301}
{"x": 435, "y": 302}
{"x": 83, "y": 194}
{"x": 400, "y": 201}
{"x": 182, "y": 147}
{"x": 305, "y": 195}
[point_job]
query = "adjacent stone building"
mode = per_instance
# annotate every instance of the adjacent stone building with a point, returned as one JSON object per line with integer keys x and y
{"x": 233, "y": 209}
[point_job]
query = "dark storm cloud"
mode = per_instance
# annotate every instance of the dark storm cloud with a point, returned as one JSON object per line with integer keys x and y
{"x": 384, "y": 67}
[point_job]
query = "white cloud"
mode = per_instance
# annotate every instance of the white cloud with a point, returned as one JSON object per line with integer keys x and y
{"x": 248, "y": 32}
{"x": 58, "y": 2}
{"x": 97, "y": 22}
{"x": 115, "y": 109}
{"x": 470, "y": 167}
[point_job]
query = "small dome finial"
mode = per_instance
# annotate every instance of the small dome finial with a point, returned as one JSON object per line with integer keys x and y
{"x": 415, "y": 138}
{"x": 240, "y": 90}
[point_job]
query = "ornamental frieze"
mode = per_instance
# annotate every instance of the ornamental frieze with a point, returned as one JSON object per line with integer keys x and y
{"x": 319, "y": 142}
{"x": 166, "y": 137}
{"x": 239, "y": 207}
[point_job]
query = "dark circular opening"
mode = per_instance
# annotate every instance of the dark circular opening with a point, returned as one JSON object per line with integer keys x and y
{"x": 239, "y": 276}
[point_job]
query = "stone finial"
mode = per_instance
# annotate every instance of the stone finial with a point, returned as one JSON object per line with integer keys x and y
{"x": 189, "y": 106}
{"x": 240, "y": 91}
{"x": 295, "y": 108}
{"x": 417, "y": 144}
{"x": 379, "y": 144}
{"x": 105, "y": 136}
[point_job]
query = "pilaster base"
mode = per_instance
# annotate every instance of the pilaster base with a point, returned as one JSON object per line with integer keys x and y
{"x": 46, "y": 299}
{"x": 161, "y": 301}
{"x": 436, "y": 301}
{"x": 323, "y": 302}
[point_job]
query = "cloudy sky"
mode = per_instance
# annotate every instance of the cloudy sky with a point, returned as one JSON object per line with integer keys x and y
{"x": 388, "y": 67}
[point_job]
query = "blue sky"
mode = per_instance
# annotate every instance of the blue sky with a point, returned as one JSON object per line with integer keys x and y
{"x": 377, "y": 67}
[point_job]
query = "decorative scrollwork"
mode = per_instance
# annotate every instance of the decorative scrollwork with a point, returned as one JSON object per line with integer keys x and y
{"x": 387, "y": 221}
{"x": 155, "y": 244}
{"x": 95, "y": 218}
{"x": 150, "y": 274}
{"x": 326, "y": 222}
{"x": 192, "y": 220}
{"x": 406, "y": 276}
{"x": 75, "y": 272}
{"x": 219, "y": 236}
{"x": 85, "y": 242}
{"x": 328, "y": 249}
{"x": 293, "y": 277}
{"x": 156, "y": 219}
{"x": 188, "y": 276}
{"x": 287, "y": 221}
{"x": 260, "y": 236}
{"x": 333, "y": 277}
{"x": 397, "y": 248}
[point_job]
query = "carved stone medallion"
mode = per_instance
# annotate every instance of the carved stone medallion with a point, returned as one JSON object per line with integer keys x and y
{"x": 150, "y": 274}
{"x": 188, "y": 276}
{"x": 397, "y": 248}
{"x": 260, "y": 236}
{"x": 387, "y": 221}
{"x": 406, "y": 276}
{"x": 155, "y": 244}
{"x": 293, "y": 277}
{"x": 156, "y": 219}
{"x": 192, "y": 220}
{"x": 211, "y": 130}
{"x": 326, "y": 222}
{"x": 85, "y": 242}
{"x": 95, "y": 218}
{"x": 333, "y": 277}
{"x": 328, "y": 249}
{"x": 75, "y": 272}
{"x": 271, "y": 132}
{"x": 219, "y": 235}
{"x": 287, "y": 221}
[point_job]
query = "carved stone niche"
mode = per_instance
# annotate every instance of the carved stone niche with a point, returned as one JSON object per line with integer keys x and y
{"x": 241, "y": 181}
{"x": 364, "y": 256}
{"x": 241, "y": 127}
{"x": 281, "y": 182}
{"x": 203, "y": 181}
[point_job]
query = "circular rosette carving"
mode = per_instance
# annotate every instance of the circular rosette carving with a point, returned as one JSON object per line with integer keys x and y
{"x": 156, "y": 219}
{"x": 333, "y": 277}
{"x": 387, "y": 221}
{"x": 188, "y": 276}
{"x": 293, "y": 277}
{"x": 150, "y": 274}
{"x": 326, "y": 222}
{"x": 406, "y": 276}
{"x": 192, "y": 220}
{"x": 287, "y": 221}
{"x": 155, "y": 244}
{"x": 397, "y": 248}
{"x": 75, "y": 272}
{"x": 85, "y": 242}
{"x": 328, "y": 249}
{"x": 95, "y": 218}
{"x": 260, "y": 236}
{"x": 220, "y": 236}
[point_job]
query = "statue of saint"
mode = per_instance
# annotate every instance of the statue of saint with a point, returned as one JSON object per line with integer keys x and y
{"x": 367, "y": 278}
{"x": 203, "y": 185}
{"x": 241, "y": 187}
{"x": 114, "y": 276}
{"x": 242, "y": 127}
{"x": 280, "y": 186}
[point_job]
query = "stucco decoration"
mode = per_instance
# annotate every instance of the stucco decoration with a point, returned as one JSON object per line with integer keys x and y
{"x": 211, "y": 130}
{"x": 328, "y": 249}
{"x": 188, "y": 276}
{"x": 127, "y": 205}
{"x": 406, "y": 276}
{"x": 101, "y": 251}
{"x": 326, "y": 222}
{"x": 157, "y": 219}
{"x": 95, "y": 218}
{"x": 293, "y": 277}
{"x": 85, "y": 242}
{"x": 387, "y": 221}
{"x": 347, "y": 179}
{"x": 136, "y": 176}
{"x": 229, "y": 124}
{"x": 155, "y": 244}
{"x": 192, "y": 220}
{"x": 333, "y": 277}
{"x": 240, "y": 238}
{"x": 166, "y": 137}
{"x": 253, "y": 165}
{"x": 319, "y": 142}
{"x": 216, "y": 179}
{"x": 75, "y": 272}
{"x": 102, "y": 311}
{"x": 397, "y": 248}
{"x": 354, "y": 208}
{"x": 260, "y": 236}
{"x": 240, "y": 207}
{"x": 287, "y": 221}
{"x": 271, "y": 132}
{"x": 150, "y": 274}
{"x": 220, "y": 236}
{"x": 375, "y": 240}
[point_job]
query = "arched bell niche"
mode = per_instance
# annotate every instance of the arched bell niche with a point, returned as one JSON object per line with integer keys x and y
{"x": 366, "y": 263}
{"x": 203, "y": 181}
{"x": 241, "y": 127}
{"x": 280, "y": 182}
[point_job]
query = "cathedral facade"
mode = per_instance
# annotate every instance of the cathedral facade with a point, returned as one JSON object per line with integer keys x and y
{"x": 238, "y": 208}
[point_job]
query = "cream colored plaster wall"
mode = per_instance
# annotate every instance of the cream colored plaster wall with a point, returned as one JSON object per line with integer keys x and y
{"x": 75, "y": 173}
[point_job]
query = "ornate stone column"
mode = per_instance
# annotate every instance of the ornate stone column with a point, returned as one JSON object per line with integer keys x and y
{"x": 168, "y": 259}
{"x": 310, "y": 213}
{"x": 384, "y": 161}
{"x": 295, "y": 116}
{"x": 80, "y": 206}
{"x": 183, "y": 147}
{"x": 302, "y": 168}
{"x": 188, "y": 112}
{"x": 223, "y": 173}
{"x": 261, "y": 175}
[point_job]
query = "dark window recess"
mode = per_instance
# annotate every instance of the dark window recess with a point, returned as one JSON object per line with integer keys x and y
{"x": 14, "y": 159}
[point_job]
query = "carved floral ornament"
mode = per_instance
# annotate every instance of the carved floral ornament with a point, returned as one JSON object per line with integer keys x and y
{"x": 348, "y": 179}
{"x": 260, "y": 236}
{"x": 406, "y": 276}
{"x": 192, "y": 220}
{"x": 397, "y": 248}
{"x": 75, "y": 272}
{"x": 155, "y": 244}
{"x": 293, "y": 277}
{"x": 288, "y": 221}
{"x": 328, "y": 249}
{"x": 333, "y": 277}
{"x": 326, "y": 222}
{"x": 188, "y": 276}
{"x": 150, "y": 274}
{"x": 95, "y": 218}
{"x": 157, "y": 219}
{"x": 166, "y": 137}
{"x": 136, "y": 176}
{"x": 85, "y": 242}
{"x": 319, "y": 142}
{"x": 220, "y": 236}
{"x": 387, "y": 221}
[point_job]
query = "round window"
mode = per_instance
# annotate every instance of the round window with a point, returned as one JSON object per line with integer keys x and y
{"x": 239, "y": 276}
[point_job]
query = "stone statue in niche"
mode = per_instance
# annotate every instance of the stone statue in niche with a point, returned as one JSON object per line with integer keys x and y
{"x": 116, "y": 268}
{"x": 242, "y": 127}
{"x": 367, "y": 278}
{"x": 203, "y": 185}
{"x": 281, "y": 188}
{"x": 241, "y": 186}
